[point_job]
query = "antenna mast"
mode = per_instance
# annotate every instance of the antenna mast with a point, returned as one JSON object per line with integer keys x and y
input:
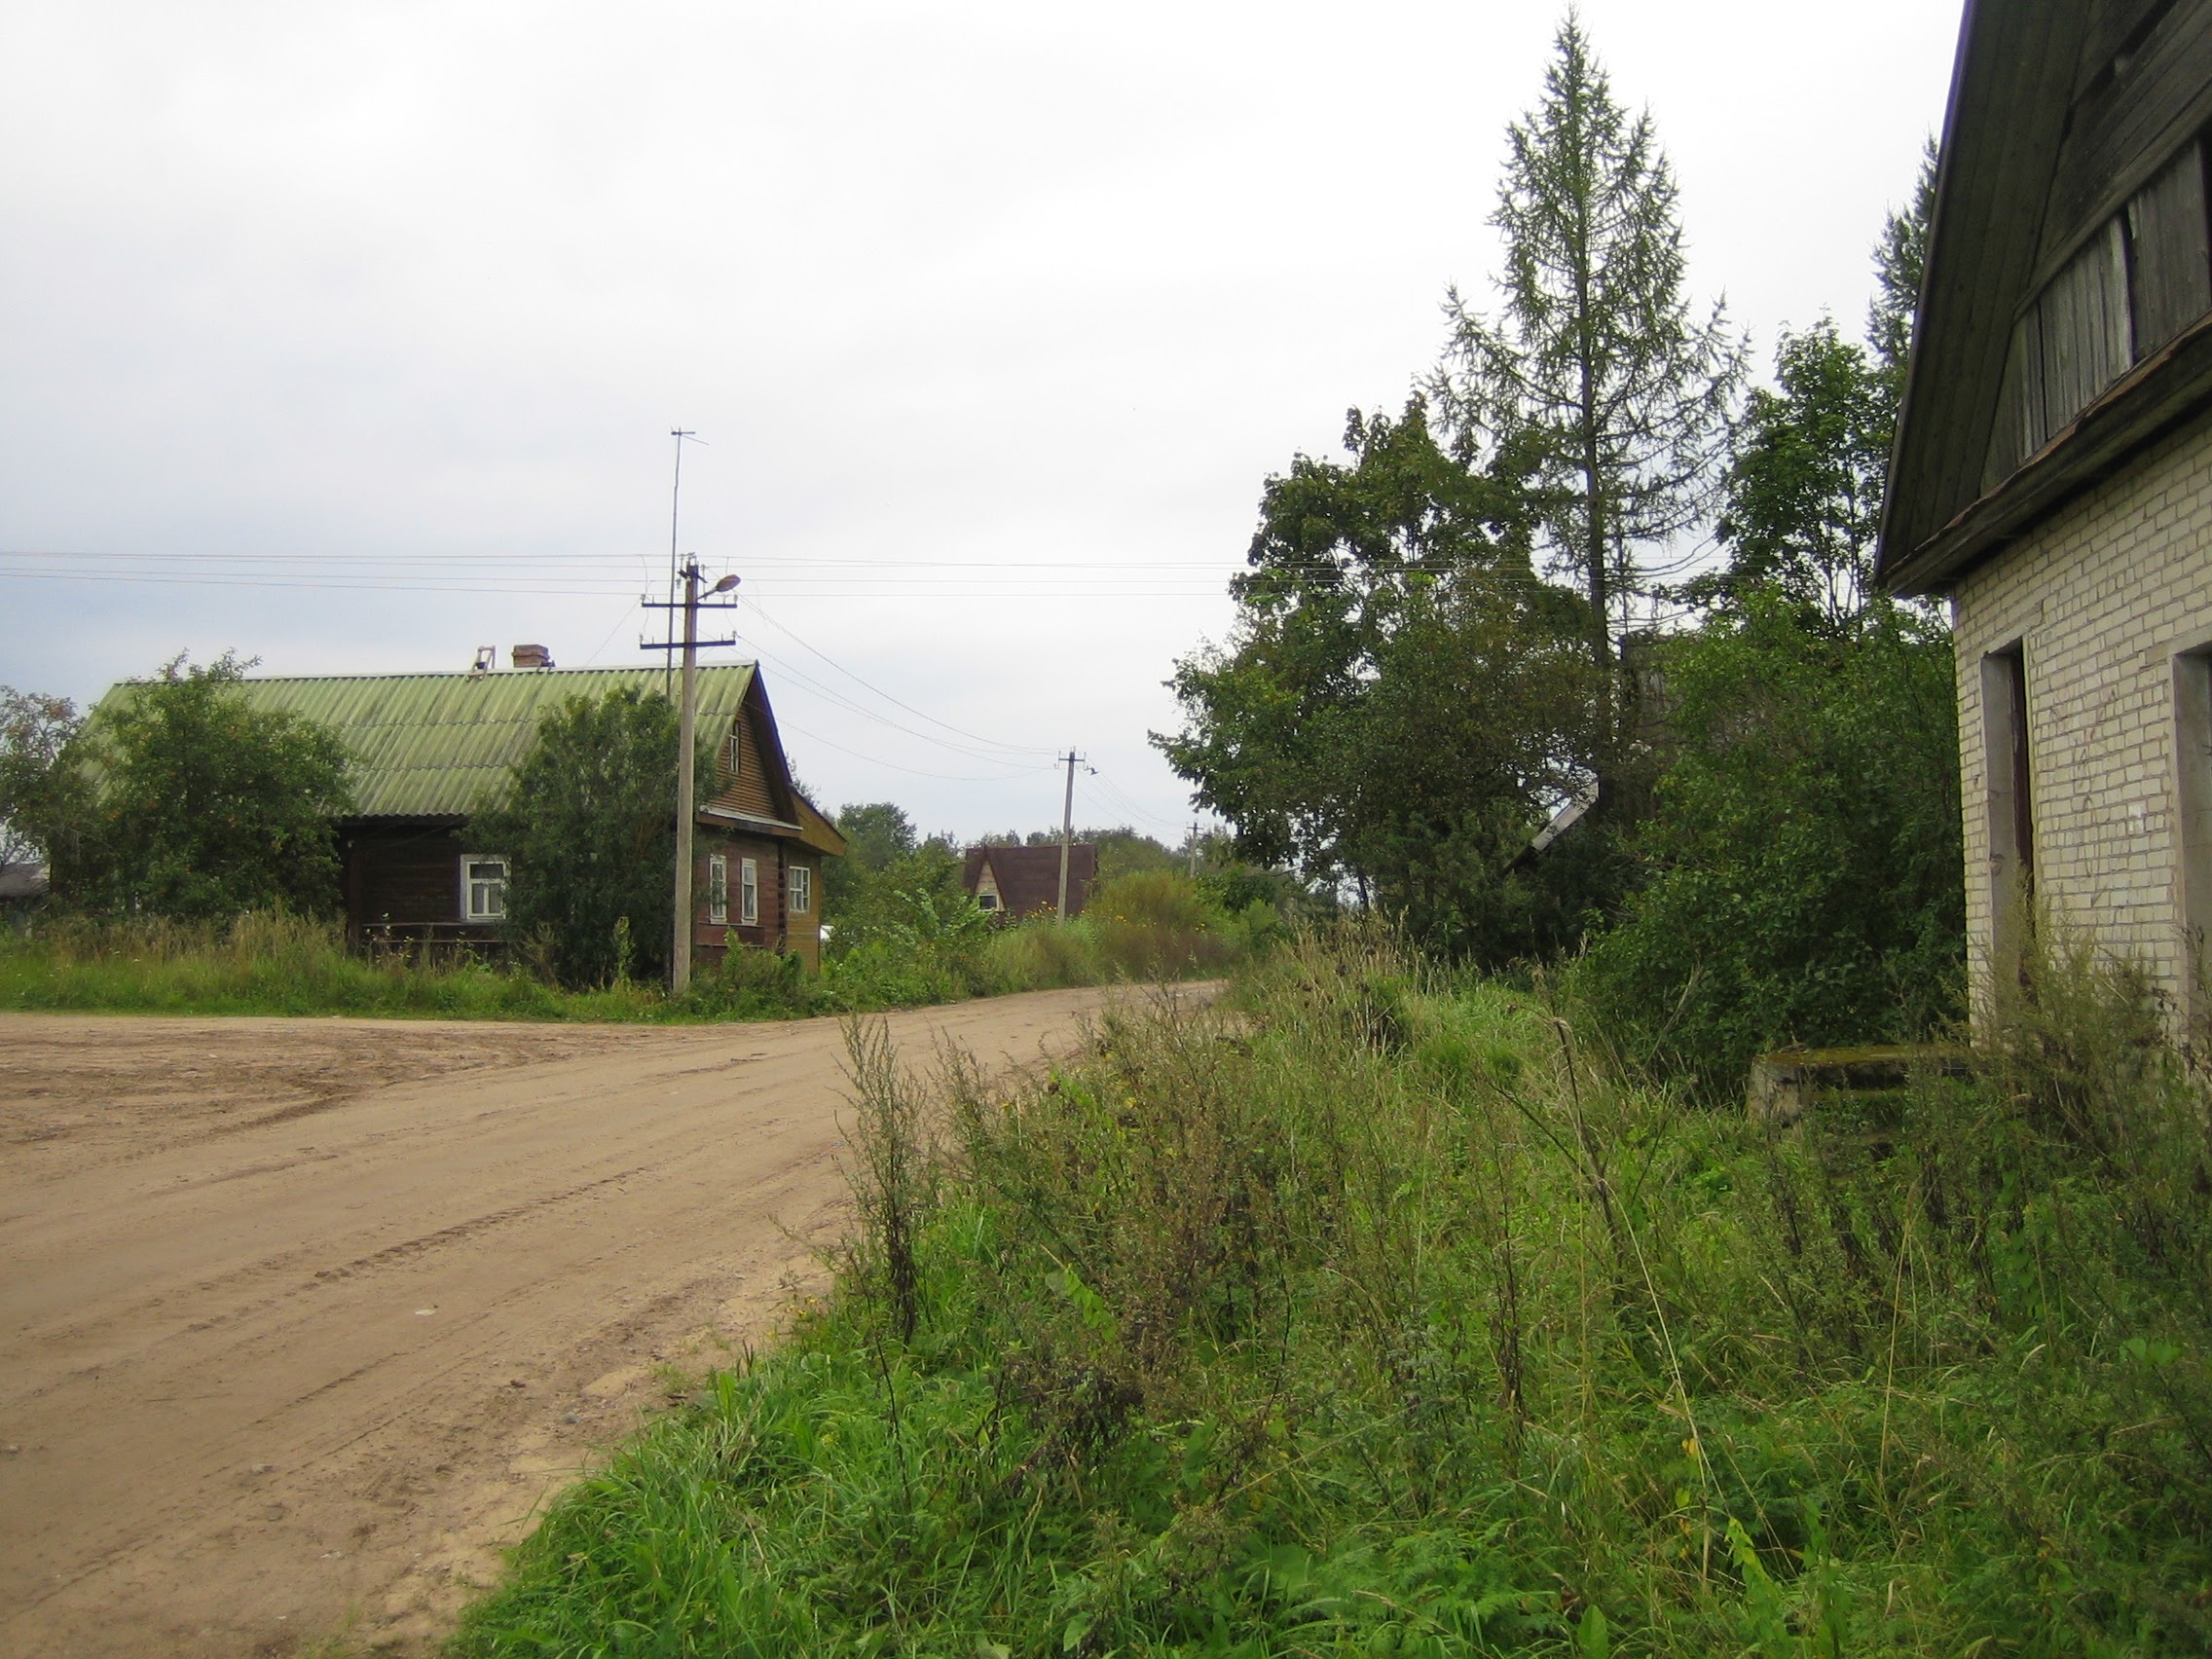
{"x": 675, "y": 508}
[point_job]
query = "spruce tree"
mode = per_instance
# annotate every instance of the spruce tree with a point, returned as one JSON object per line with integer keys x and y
{"x": 1595, "y": 365}
{"x": 1900, "y": 256}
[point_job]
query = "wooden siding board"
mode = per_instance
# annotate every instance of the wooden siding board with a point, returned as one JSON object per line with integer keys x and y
{"x": 2166, "y": 390}
{"x": 2112, "y": 24}
{"x": 752, "y": 792}
{"x": 2009, "y": 95}
{"x": 2084, "y": 327}
{"x": 2129, "y": 127}
{"x": 404, "y": 877}
{"x": 2171, "y": 279}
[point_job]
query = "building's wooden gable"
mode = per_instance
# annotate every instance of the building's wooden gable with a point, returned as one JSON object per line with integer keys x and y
{"x": 750, "y": 766}
{"x": 2069, "y": 250}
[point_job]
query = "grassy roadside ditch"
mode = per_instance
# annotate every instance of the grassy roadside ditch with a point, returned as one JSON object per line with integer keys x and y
{"x": 1383, "y": 1316}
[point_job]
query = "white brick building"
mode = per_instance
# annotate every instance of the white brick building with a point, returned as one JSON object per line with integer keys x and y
{"x": 2053, "y": 470}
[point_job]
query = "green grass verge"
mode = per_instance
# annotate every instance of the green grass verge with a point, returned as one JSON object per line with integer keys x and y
{"x": 282, "y": 964}
{"x": 1382, "y": 1316}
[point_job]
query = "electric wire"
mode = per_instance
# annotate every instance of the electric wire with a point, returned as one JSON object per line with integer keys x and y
{"x": 913, "y": 771}
{"x": 841, "y": 700}
{"x": 996, "y": 743}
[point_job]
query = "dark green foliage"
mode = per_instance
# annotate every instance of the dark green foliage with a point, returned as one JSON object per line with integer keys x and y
{"x": 887, "y": 895}
{"x": 1383, "y": 1319}
{"x": 755, "y": 984}
{"x": 1804, "y": 856}
{"x": 1404, "y": 702}
{"x": 34, "y": 730}
{"x": 1901, "y": 260}
{"x": 182, "y": 800}
{"x": 1124, "y": 850}
{"x": 1803, "y": 501}
{"x": 588, "y": 823}
{"x": 1803, "y": 861}
{"x": 876, "y": 835}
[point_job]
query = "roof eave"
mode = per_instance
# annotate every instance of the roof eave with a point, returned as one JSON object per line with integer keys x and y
{"x": 2010, "y": 90}
{"x": 2160, "y": 394}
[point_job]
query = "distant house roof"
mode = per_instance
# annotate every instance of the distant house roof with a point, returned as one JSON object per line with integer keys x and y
{"x": 440, "y": 745}
{"x": 1028, "y": 878}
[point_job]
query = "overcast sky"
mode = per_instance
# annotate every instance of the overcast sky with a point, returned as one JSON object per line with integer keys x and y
{"x": 350, "y": 337}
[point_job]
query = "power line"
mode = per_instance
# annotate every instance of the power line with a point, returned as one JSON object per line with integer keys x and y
{"x": 999, "y": 743}
{"x": 1121, "y": 802}
{"x": 841, "y": 700}
{"x": 914, "y": 771}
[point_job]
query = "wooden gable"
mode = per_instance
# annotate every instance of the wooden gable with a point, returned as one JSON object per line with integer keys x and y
{"x": 2062, "y": 317}
{"x": 753, "y": 780}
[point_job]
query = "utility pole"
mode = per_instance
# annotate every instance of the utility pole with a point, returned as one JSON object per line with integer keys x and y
{"x": 1067, "y": 829}
{"x": 1194, "y": 849}
{"x": 686, "y": 750}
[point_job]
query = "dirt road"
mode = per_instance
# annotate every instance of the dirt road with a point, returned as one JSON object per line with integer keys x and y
{"x": 299, "y": 1320}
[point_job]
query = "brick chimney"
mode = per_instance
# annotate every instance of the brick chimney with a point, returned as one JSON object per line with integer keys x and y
{"x": 532, "y": 656}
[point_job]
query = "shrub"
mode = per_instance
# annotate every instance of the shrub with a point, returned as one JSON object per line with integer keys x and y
{"x": 1156, "y": 924}
{"x": 754, "y": 984}
{"x": 1803, "y": 861}
{"x": 1043, "y": 955}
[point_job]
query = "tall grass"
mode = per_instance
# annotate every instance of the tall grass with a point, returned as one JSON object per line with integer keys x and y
{"x": 263, "y": 964}
{"x": 271, "y": 964}
{"x": 1384, "y": 1314}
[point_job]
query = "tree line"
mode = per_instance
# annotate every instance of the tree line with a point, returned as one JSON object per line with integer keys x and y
{"x": 1578, "y": 655}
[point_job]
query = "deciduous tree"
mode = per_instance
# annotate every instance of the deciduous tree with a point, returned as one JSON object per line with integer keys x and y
{"x": 186, "y": 801}
{"x": 588, "y": 823}
{"x": 34, "y": 730}
{"x": 1403, "y": 699}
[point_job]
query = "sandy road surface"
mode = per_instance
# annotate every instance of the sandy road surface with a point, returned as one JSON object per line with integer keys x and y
{"x": 301, "y": 1319}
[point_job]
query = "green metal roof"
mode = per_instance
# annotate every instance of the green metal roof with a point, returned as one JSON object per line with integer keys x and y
{"x": 440, "y": 745}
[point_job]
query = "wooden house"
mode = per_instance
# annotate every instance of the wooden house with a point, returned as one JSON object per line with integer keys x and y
{"x": 1026, "y": 881}
{"x": 2052, "y": 472}
{"x": 431, "y": 749}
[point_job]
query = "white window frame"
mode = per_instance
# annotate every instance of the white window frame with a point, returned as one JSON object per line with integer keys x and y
{"x": 718, "y": 889}
{"x": 748, "y": 892}
{"x": 492, "y": 913}
{"x": 733, "y": 756}
{"x": 802, "y": 889}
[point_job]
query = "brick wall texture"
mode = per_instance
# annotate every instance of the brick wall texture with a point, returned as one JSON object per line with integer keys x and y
{"x": 2102, "y": 596}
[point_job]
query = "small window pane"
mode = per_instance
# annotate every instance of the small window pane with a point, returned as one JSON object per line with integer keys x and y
{"x": 802, "y": 889}
{"x": 748, "y": 896}
{"x": 483, "y": 888}
{"x": 718, "y": 889}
